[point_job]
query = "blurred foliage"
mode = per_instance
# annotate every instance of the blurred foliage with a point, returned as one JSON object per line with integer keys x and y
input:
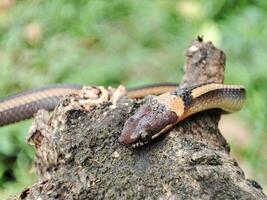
{"x": 132, "y": 43}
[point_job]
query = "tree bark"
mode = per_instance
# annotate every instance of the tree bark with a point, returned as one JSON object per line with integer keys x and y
{"x": 78, "y": 155}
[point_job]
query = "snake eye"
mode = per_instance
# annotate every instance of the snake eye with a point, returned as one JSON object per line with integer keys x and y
{"x": 145, "y": 135}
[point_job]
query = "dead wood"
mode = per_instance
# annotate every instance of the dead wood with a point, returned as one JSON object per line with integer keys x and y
{"x": 78, "y": 155}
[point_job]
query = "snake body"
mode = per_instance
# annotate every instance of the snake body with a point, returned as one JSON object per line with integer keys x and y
{"x": 163, "y": 112}
{"x": 24, "y": 105}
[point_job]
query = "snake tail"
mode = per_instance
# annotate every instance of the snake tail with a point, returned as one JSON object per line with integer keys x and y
{"x": 24, "y": 105}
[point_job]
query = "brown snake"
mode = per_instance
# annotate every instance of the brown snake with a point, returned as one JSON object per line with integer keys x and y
{"x": 151, "y": 120}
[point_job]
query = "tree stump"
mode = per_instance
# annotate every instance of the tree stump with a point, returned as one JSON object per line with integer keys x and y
{"x": 78, "y": 155}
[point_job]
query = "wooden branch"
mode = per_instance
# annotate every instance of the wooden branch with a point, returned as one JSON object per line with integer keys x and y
{"x": 78, "y": 155}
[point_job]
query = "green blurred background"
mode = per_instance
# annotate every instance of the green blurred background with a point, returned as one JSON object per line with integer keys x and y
{"x": 132, "y": 43}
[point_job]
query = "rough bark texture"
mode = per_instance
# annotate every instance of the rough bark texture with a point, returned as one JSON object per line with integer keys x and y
{"x": 78, "y": 155}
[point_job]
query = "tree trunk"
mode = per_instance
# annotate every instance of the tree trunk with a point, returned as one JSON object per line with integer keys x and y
{"x": 78, "y": 155}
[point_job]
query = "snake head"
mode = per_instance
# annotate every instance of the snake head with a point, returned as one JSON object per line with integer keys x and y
{"x": 146, "y": 124}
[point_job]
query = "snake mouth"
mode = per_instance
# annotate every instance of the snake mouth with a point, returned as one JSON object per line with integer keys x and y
{"x": 146, "y": 124}
{"x": 139, "y": 144}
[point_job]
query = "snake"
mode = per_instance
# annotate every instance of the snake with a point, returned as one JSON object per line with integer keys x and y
{"x": 168, "y": 105}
